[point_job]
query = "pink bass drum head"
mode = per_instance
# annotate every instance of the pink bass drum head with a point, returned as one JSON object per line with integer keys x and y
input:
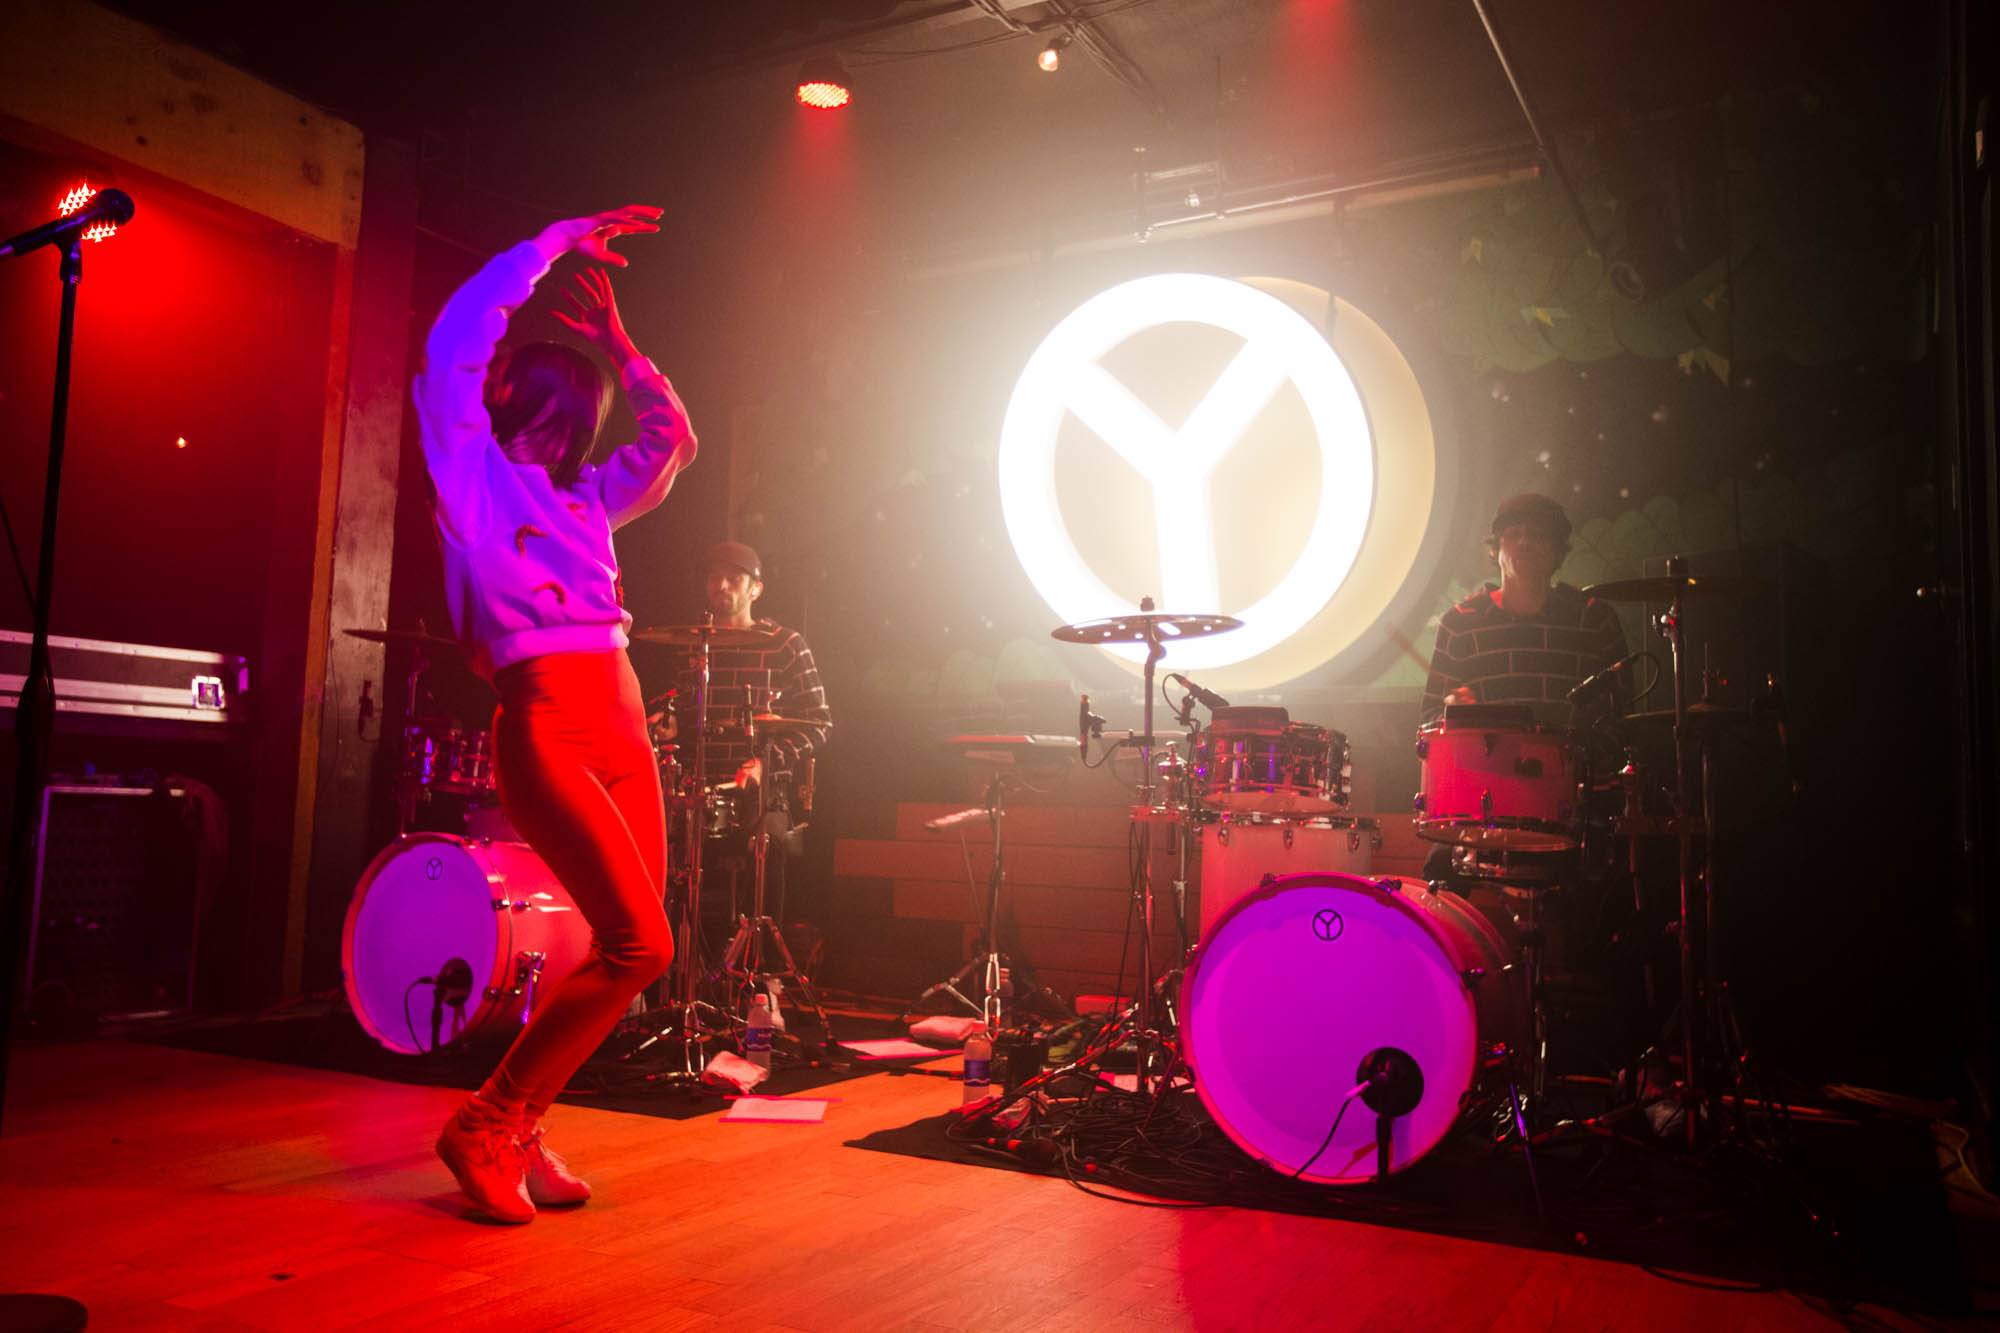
{"x": 1302, "y": 979}
{"x": 429, "y": 898}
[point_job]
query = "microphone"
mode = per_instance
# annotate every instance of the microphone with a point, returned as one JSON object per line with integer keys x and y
{"x": 1604, "y": 676}
{"x": 1208, "y": 699}
{"x": 1392, "y": 1081}
{"x": 112, "y": 206}
{"x": 452, "y": 986}
{"x": 1088, "y": 724}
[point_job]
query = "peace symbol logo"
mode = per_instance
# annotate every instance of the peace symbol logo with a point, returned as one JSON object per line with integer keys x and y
{"x": 1065, "y": 377}
{"x": 1327, "y": 924}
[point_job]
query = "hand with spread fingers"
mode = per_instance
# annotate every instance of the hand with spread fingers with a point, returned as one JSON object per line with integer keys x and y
{"x": 593, "y": 313}
{"x": 592, "y": 236}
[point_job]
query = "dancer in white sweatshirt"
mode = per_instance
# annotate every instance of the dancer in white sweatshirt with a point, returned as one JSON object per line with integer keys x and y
{"x": 525, "y": 522}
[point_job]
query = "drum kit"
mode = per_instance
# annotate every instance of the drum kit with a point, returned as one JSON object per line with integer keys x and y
{"x": 478, "y": 918}
{"x": 1316, "y": 983}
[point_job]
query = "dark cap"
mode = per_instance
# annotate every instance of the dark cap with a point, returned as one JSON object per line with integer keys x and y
{"x": 1534, "y": 510}
{"x": 734, "y": 555}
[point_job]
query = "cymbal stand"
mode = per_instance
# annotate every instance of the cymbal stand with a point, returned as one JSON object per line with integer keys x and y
{"x": 1669, "y": 624}
{"x": 1146, "y": 1031}
{"x": 682, "y": 1009}
{"x": 991, "y": 960}
{"x": 743, "y": 960}
{"x": 409, "y": 784}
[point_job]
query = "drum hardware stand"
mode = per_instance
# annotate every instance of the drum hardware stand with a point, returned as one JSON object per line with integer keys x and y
{"x": 991, "y": 961}
{"x": 410, "y": 787}
{"x": 743, "y": 958}
{"x": 682, "y": 1010}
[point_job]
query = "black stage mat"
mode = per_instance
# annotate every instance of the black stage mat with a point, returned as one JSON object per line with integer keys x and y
{"x": 1884, "y": 1238}
{"x": 327, "y": 1037}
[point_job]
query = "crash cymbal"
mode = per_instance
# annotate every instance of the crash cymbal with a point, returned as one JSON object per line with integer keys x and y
{"x": 1663, "y": 588}
{"x": 1144, "y": 625}
{"x": 717, "y": 636}
{"x": 422, "y": 638}
{"x": 783, "y": 726}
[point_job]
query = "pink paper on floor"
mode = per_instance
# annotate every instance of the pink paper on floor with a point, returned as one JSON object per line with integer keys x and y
{"x": 778, "y": 1110}
{"x": 894, "y": 1048}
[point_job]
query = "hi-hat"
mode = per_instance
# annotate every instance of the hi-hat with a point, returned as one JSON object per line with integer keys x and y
{"x": 716, "y": 636}
{"x": 1143, "y": 627}
{"x": 1665, "y": 587}
{"x": 422, "y": 638}
{"x": 1701, "y": 716}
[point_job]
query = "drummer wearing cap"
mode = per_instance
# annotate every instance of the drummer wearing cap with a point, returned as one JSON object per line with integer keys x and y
{"x": 1526, "y": 639}
{"x": 777, "y": 677}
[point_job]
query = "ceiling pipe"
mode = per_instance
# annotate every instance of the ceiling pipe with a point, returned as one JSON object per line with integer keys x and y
{"x": 1543, "y": 143}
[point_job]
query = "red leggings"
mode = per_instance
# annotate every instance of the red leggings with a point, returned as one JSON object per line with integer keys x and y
{"x": 578, "y": 778}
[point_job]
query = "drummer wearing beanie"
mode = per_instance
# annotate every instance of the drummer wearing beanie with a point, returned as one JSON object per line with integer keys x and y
{"x": 1526, "y": 639}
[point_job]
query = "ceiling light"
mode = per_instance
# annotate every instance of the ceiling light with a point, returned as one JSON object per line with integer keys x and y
{"x": 1050, "y": 58}
{"x": 823, "y": 84}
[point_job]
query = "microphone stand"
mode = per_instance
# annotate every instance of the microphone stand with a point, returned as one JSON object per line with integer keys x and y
{"x": 34, "y": 716}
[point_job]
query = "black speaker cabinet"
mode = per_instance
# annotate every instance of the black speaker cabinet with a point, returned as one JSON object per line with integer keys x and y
{"x": 115, "y": 907}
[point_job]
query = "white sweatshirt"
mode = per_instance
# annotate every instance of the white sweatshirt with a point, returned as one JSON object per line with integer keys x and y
{"x": 528, "y": 567}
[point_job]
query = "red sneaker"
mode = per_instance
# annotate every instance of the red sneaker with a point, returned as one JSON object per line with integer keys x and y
{"x": 550, "y": 1181}
{"x": 490, "y": 1167}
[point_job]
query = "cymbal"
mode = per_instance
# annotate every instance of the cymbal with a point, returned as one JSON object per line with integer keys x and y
{"x": 1664, "y": 587}
{"x": 1143, "y": 625}
{"x": 771, "y": 722}
{"x": 1703, "y": 715}
{"x": 422, "y": 638}
{"x": 717, "y": 636}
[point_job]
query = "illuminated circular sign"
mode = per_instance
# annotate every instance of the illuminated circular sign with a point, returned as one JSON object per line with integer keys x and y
{"x": 1350, "y": 554}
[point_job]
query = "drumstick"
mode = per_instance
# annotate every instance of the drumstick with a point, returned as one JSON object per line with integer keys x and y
{"x": 1408, "y": 645}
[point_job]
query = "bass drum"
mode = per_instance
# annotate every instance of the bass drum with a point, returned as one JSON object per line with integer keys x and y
{"x": 1237, "y": 854}
{"x": 1300, "y": 981}
{"x": 429, "y": 900}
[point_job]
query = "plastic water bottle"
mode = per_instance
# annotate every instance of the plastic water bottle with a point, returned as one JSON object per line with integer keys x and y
{"x": 757, "y": 1032}
{"x": 978, "y": 1077}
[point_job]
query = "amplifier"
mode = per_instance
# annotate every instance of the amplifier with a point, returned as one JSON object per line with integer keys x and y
{"x": 133, "y": 688}
{"x": 116, "y": 905}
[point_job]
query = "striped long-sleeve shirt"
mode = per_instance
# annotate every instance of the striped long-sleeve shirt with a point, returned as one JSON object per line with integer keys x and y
{"x": 786, "y": 673}
{"x": 1507, "y": 658}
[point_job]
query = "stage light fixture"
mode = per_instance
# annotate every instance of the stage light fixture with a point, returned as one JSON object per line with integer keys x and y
{"x": 82, "y": 193}
{"x": 823, "y": 84}
{"x": 1050, "y": 58}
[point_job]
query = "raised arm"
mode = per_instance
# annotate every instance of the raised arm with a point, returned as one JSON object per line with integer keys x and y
{"x": 637, "y": 476}
{"x": 450, "y": 390}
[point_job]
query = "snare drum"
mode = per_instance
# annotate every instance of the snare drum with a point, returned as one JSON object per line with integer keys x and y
{"x": 430, "y": 900}
{"x": 1237, "y": 853}
{"x": 1510, "y": 786}
{"x": 441, "y": 757}
{"x": 1301, "y": 981}
{"x": 1255, "y": 760}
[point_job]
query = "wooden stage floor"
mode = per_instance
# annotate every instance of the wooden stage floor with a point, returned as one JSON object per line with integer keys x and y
{"x": 172, "y": 1189}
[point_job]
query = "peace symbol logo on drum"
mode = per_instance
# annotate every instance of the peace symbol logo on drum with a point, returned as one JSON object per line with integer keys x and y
{"x": 1327, "y": 924}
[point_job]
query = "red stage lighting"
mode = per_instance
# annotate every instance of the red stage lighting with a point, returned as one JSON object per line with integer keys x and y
{"x": 823, "y": 84}
{"x": 82, "y": 194}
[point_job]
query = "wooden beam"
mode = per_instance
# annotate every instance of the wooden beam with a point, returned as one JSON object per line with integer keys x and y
{"x": 124, "y": 89}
